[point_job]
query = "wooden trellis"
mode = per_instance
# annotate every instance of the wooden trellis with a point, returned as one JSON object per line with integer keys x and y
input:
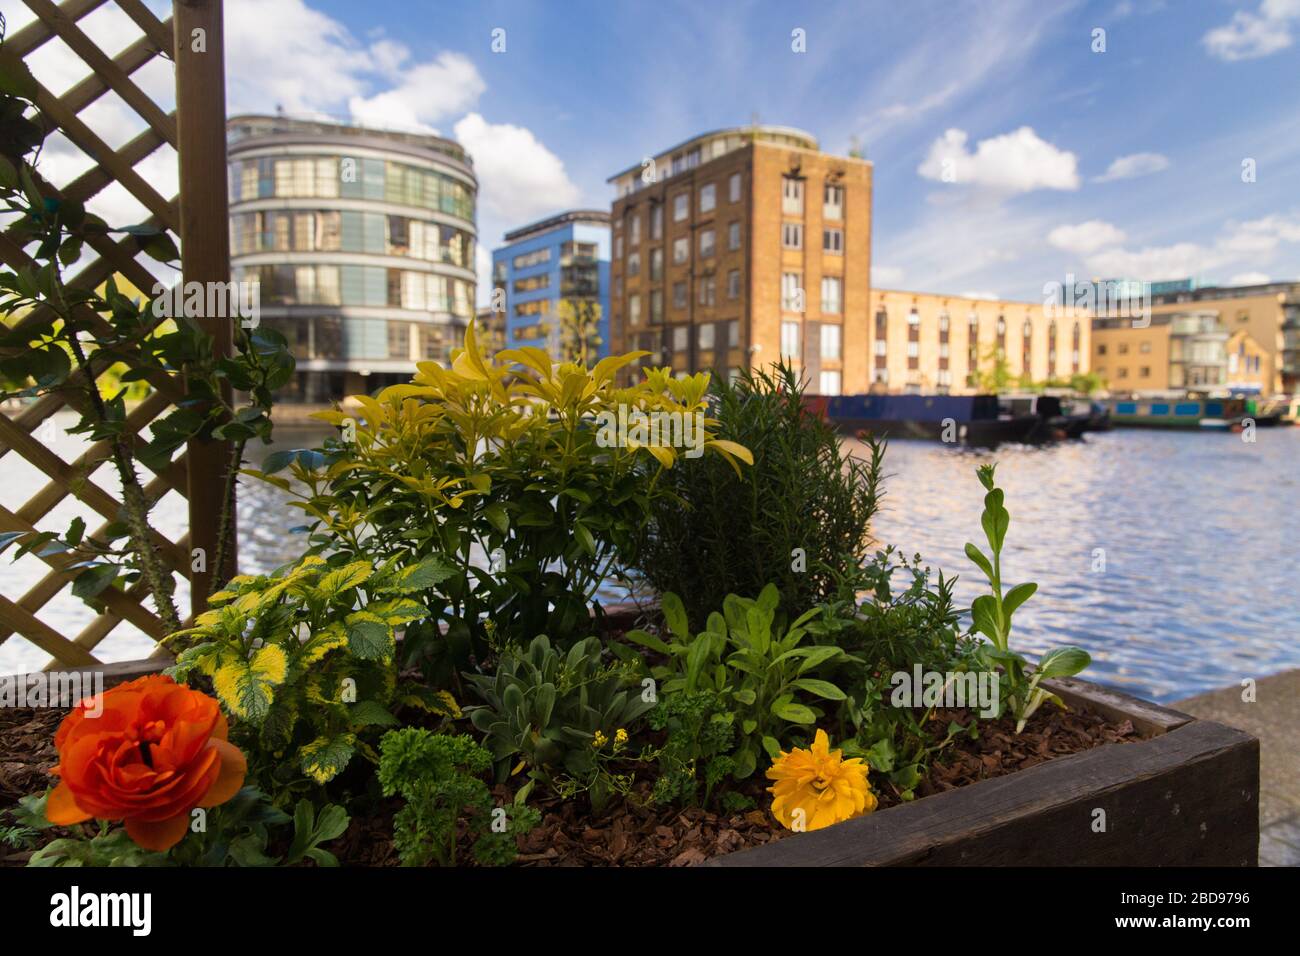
{"x": 197, "y": 217}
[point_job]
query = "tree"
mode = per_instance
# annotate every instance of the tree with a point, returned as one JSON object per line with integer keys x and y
{"x": 995, "y": 377}
{"x": 577, "y": 328}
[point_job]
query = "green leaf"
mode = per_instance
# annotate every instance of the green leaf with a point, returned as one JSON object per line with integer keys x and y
{"x": 248, "y": 687}
{"x": 645, "y": 639}
{"x": 370, "y": 713}
{"x": 427, "y": 574}
{"x": 821, "y": 688}
{"x": 342, "y": 579}
{"x": 584, "y": 537}
{"x": 94, "y": 580}
{"x": 980, "y": 561}
{"x": 1062, "y": 662}
{"x": 794, "y": 713}
{"x": 325, "y": 757}
{"x": 1017, "y": 596}
{"x": 497, "y": 516}
{"x": 772, "y": 746}
{"x": 15, "y": 78}
{"x": 370, "y": 638}
{"x": 674, "y": 613}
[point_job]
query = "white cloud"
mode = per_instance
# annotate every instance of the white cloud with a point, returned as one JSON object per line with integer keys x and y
{"x": 518, "y": 176}
{"x": 1249, "y": 278}
{"x": 1249, "y": 36}
{"x": 886, "y": 276}
{"x": 1132, "y": 166}
{"x": 427, "y": 93}
{"x": 1086, "y": 236}
{"x": 283, "y": 53}
{"x": 1014, "y": 162}
{"x": 1248, "y": 243}
{"x": 980, "y": 294}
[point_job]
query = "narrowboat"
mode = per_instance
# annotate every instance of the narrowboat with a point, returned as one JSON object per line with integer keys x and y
{"x": 1212, "y": 414}
{"x": 1056, "y": 420}
{"x": 966, "y": 419}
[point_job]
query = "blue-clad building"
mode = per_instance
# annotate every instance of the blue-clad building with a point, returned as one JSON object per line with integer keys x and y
{"x": 562, "y": 257}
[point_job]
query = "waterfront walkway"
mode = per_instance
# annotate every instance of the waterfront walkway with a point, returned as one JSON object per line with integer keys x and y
{"x": 1273, "y": 717}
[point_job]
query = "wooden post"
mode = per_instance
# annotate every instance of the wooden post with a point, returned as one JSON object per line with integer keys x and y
{"x": 205, "y": 246}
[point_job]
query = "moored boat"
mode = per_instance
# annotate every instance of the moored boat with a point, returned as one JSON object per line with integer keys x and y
{"x": 965, "y": 419}
{"x": 1213, "y": 414}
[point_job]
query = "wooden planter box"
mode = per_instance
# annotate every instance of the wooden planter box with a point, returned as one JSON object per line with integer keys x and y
{"x": 1187, "y": 794}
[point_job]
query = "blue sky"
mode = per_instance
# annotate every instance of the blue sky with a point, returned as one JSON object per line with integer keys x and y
{"x": 1063, "y": 159}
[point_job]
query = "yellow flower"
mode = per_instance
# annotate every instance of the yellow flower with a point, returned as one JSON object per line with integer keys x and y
{"x": 599, "y": 740}
{"x": 820, "y": 783}
{"x": 620, "y": 736}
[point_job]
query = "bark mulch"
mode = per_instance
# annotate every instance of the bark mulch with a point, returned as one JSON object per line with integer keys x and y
{"x": 632, "y": 832}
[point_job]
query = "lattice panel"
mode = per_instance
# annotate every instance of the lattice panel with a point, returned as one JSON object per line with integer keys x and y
{"x": 126, "y": 99}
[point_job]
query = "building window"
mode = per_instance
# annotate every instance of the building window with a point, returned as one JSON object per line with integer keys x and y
{"x": 944, "y": 322}
{"x": 833, "y": 202}
{"x": 1121, "y": 373}
{"x": 1144, "y": 347}
{"x": 706, "y": 243}
{"x": 681, "y": 250}
{"x": 679, "y": 295}
{"x": 832, "y": 295}
{"x": 830, "y": 383}
{"x": 913, "y": 320}
{"x": 913, "y": 350}
{"x": 1101, "y": 348}
{"x": 681, "y": 206}
{"x": 792, "y": 292}
{"x": 733, "y": 236}
{"x": 833, "y": 241}
{"x": 656, "y": 306}
{"x": 830, "y": 341}
{"x": 656, "y": 221}
{"x": 681, "y": 338}
{"x": 882, "y": 347}
{"x": 733, "y": 284}
{"x": 705, "y": 337}
{"x": 1123, "y": 348}
{"x": 733, "y": 187}
{"x": 708, "y": 197}
{"x": 656, "y": 264}
{"x": 792, "y": 195}
{"x": 707, "y": 290}
{"x": 634, "y": 310}
{"x": 792, "y": 235}
{"x": 634, "y": 231}
{"x": 733, "y": 334}
{"x": 618, "y": 248}
{"x": 1144, "y": 371}
{"x": 789, "y": 339}
{"x": 634, "y": 263}
{"x": 880, "y": 376}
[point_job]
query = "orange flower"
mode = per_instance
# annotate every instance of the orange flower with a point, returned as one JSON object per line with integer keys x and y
{"x": 156, "y": 751}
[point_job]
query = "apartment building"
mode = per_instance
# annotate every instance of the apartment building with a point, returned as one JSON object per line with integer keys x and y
{"x": 561, "y": 259}
{"x": 930, "y": 343}
{"x": 1244, "y": 338}
{"x": 361, "y": 242}
{"x": 742, "y": 246}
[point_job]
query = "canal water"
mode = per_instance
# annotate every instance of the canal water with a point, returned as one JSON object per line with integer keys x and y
{"x": 1171, "y": 557}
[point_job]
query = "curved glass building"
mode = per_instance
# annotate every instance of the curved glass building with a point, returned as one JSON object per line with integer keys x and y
{"x": 363, "y": 244}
